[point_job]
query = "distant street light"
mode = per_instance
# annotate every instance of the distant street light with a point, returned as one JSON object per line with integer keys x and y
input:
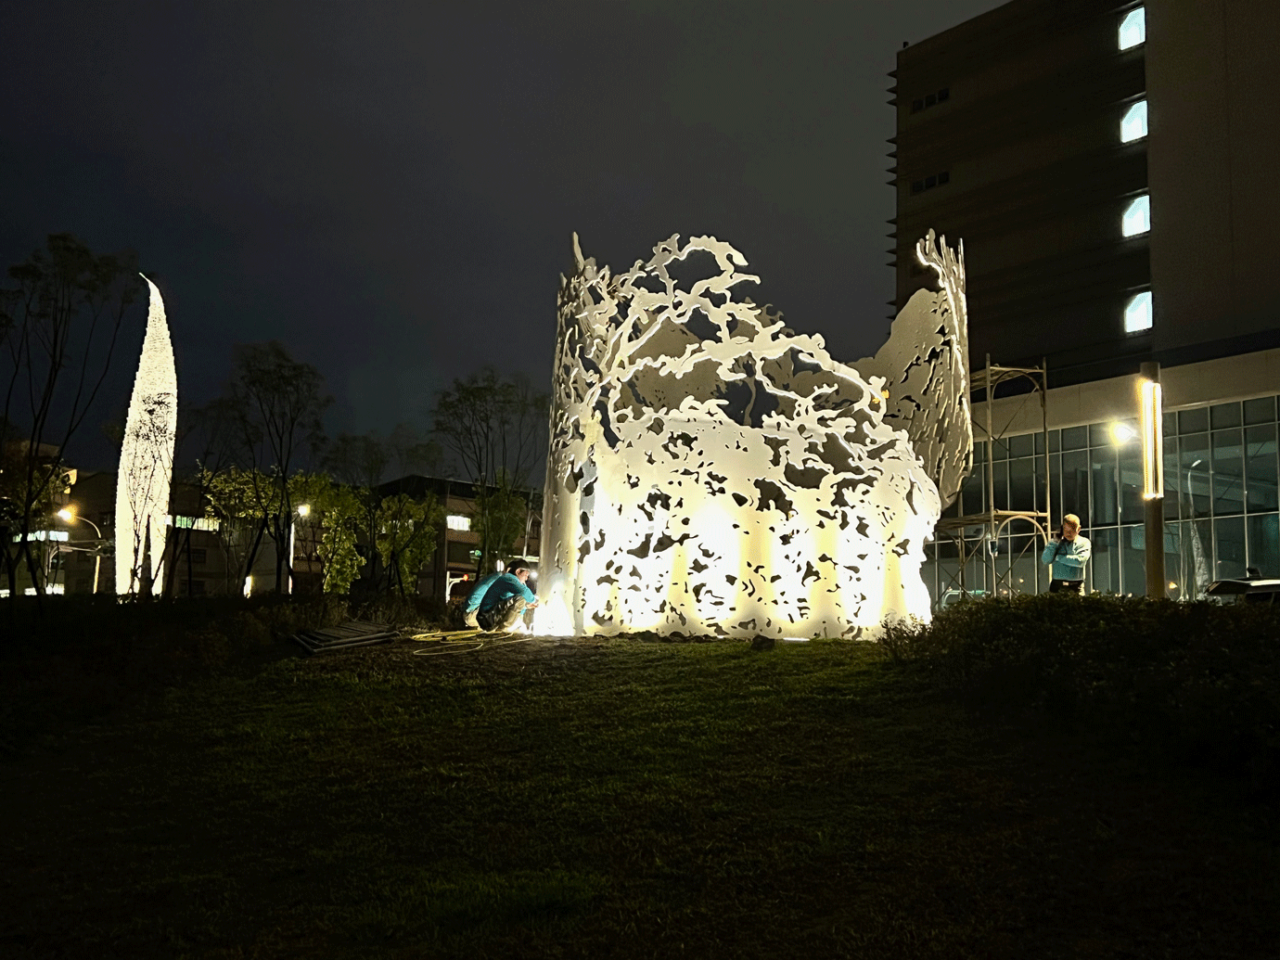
{"x": 69, "y": 516}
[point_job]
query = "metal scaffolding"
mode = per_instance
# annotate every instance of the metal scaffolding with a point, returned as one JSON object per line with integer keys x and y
{"x": 974, "y": 533}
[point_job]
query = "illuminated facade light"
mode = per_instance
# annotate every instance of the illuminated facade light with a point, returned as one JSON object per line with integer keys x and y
{"x": 1137, "y": 313}
{"x": 458, "y": 522}
{"x": 1133, "y": 28}
{"x": 1133, "y": 125}
{"x": 1152, "y": 423}
{"x": 1137, "y": 217}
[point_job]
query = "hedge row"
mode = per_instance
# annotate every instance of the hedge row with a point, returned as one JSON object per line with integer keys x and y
{"x": 1200, "y": 680}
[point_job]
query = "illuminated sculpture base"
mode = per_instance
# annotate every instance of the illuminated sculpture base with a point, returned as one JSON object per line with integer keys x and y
{"x": 712, "y": 472}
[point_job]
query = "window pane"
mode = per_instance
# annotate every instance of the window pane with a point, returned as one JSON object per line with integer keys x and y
{"x": 1170, "y": 424}
{"x": 1039, "y": 439}
{"x": 1104, "y": 566}
{"x": 1000, "y": 492}
{"x": 1228, "y": 473}
{"x": 1021, "y": 446}
{"x": 1075, "y": 438}
{"x": 1022, "y": 485}
{"x": 1225, "y": 415}
{"x": 1193, "y": 469}
{"x": 971, "y": 493}
{"x": 1260, "y": 467}
{"x": 1100, "y": 434}
{"x": 1193, "y": 421}
{"x": 1055, "y": 487}
{"x": 1104, "y": 495}
{"x": 1133, "y": 561}
{"x": 1228, "y": 536}
{"x": 1137, "y": 217}
{"x": 1130, "y": 477}
{"x": 1262, "y": 410}
{"x": 1075, "y": 486}
{"x": 1055, "y": 441}
{"x": 1137, "y": 313}
{"x": 1133, "y": 125}
{"x": 1172, "y": 479}
{"x": 1264, "y": 544}
{"x": 1133, "y": 28}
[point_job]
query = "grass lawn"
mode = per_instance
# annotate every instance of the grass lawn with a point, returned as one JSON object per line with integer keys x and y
{"x": 613, "y": 799}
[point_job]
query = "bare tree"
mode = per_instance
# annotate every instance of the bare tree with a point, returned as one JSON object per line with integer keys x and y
{"x": 495, "y": 430}
{"x": 59, "y": 324}
{"x": 278, "y": 402}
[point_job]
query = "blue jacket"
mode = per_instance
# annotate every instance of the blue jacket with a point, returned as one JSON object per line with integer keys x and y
{"x": 1067, "y": 558}
{"x": 495, "y": 588}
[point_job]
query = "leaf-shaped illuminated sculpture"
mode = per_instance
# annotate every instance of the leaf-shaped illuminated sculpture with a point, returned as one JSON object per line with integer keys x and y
{"x": 146, "y": 460}
{"x": 712, "y": 472}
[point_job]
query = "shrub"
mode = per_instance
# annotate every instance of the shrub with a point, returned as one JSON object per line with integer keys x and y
{"x": 1200, "y": 680}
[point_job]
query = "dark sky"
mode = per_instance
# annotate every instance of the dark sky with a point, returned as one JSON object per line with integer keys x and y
{"x": 390, "y": 188}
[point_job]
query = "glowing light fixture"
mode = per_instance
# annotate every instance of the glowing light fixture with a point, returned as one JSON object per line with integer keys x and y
{"x": 458, "y": 522}
{"x": 1133, "y": 126}
{"x": 304, "y": 509}
{"x": 1152, "y": 415}
{"x": 1133, "y": 28}
{"x": 1137, "y": 217}
{"x": 1137, "y": 313}
{"x": 1122, "y": 433}
{"x": 67, "y": 515}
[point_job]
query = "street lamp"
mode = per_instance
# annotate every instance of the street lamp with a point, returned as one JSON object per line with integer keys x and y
{"x": 68, "y": 515}
{"x": 1151, "y": 426}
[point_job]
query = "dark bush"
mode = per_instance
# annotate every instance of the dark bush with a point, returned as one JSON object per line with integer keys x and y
{"x": 81, "y": 657}
{"x": 1198, "y": 680}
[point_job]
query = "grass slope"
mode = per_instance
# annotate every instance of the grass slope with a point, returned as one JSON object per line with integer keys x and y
{"x": 620, "y": 799}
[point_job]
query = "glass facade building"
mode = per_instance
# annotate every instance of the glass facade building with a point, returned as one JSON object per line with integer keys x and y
{"x": 1221, "y": 510}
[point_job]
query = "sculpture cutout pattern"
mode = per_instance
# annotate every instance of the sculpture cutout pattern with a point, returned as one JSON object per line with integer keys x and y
{"x": 146, "y": 460}
{"x": 710, "y": 471}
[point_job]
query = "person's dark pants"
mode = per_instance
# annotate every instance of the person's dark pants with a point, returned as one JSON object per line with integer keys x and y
{"x": 1066, "y": 586}
{"x": 504, "y": 616}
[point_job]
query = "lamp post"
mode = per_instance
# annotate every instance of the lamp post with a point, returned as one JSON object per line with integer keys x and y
{"x": 68, "y": 515}
{"x": 1151, "y": 426}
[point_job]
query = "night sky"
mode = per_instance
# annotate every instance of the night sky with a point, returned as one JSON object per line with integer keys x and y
{"x": 391, "y": 188}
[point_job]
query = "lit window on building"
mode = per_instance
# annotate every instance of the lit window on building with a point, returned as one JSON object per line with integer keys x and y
{"x": 1133, "y": 28}
{"x": 1134, "y": 125}
{"x": 1137, "y": 218}
{"x": 1137, "y": 313}
{"x": 458, "y": 522}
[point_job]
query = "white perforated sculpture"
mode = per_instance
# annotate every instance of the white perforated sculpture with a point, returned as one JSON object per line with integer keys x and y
{"x": 712, "y": 472}
{"x": 146, "y": 460}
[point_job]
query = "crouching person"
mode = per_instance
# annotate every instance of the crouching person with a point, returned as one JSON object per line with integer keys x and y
{"x": 499, "y": 600}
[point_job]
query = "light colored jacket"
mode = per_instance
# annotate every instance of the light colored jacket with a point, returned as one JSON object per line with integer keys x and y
{"x": 1067, "y": 558}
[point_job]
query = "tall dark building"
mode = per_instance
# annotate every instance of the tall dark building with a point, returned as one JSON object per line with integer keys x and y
{"x": 1110, "y": 167}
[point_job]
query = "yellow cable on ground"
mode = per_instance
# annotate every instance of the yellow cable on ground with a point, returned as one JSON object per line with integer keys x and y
{"x": 461, "y": 641}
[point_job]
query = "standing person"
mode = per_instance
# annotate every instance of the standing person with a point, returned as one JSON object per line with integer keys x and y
{"x": 499, "y": 600}
{"x": 1067, "y": 554}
